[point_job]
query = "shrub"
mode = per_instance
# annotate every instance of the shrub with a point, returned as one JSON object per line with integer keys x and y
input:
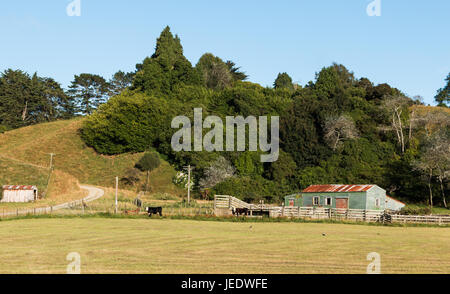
{"x": 131, "y": 177}
{"x": 129, "y": 122}
{"x": 148, "y": 162}
{"x": 408, "y": 210}
{"x": 181, "y": 180}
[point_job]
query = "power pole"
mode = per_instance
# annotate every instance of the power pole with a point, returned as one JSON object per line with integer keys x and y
{"x": 51, "y": 160}
{"x": 50, "y": 171}
{"x": 189, "y": 169}
{"x": 189, "y": 184}
{"x": 117, "y": 187}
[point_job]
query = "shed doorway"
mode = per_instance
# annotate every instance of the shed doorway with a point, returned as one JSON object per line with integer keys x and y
{"x": 342, "y": 203}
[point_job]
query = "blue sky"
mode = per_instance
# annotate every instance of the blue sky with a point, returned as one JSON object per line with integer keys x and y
{"x": 408, "y": 46}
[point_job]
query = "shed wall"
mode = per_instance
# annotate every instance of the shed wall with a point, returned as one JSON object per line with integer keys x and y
{"x": 356, "y": 200}
{"x": 18, "y": 196}
{"x": 372, "y": 195}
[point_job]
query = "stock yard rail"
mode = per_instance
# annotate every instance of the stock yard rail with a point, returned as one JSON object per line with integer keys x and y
{"x": 225, "y": 205}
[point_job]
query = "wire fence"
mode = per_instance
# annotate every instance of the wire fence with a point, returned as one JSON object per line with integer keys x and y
{"x": 107, "y": 206}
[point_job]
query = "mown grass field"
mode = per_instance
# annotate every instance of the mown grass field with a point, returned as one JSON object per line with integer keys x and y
{"x": 187, "y": 246}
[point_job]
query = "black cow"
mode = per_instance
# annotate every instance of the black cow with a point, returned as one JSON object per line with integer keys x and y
{"x": 154, "y": 210}
{"x": 239, "y": 211}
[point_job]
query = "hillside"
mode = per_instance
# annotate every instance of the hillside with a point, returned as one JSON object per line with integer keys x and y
{"x": 24, "y": 159}
{"x": 13, "y": 172}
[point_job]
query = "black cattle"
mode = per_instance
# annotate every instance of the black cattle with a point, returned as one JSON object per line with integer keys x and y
{"x": 154, "y": 210}
{"x": 239, "y": 211}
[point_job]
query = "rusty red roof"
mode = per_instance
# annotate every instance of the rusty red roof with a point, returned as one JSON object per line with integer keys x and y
{"x": 338, "y": 188}
{"x": 18, "y": 187}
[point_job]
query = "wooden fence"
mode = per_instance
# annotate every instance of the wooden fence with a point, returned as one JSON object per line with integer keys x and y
{"x": 230, "y": 202}
{"x": 419, "y": 219}
{"x": 40, "y": 210}
{"x": 327, "y": 213}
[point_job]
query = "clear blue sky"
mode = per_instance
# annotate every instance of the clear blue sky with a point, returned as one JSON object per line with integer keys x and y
{"x": 408, "y": 46}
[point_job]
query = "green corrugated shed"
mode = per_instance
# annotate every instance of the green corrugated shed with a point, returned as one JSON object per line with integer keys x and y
{"x": 368, "y": 197}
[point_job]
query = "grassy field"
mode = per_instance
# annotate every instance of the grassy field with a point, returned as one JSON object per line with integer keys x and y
{"x": 187, "y": 246}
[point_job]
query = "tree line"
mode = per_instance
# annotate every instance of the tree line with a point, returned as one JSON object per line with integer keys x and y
{"x": 30, "y": 99}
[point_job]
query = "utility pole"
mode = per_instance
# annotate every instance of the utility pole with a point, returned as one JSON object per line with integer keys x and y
{"x": 49, "y": 171}
{"x": 117, "y": 187}
{"x": 189, "y": 184}
{"x": 189, "y": 169}
{"x": 51, "y": 160}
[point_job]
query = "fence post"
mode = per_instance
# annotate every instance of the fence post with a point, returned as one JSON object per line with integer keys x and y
{"x": 17, "y": 212}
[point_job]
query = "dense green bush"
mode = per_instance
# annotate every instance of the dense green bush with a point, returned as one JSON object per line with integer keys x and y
{"x": 252, "y": 189}
{"x": 425, "y": 210}
{"x": 129, "y": 122}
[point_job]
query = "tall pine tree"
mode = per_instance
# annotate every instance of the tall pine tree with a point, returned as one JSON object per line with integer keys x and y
{"x": 26, "y": 100}
{"x": 88, "y": 91}
{"x": 443, "y": 95}
{"x": 166, "y": 68}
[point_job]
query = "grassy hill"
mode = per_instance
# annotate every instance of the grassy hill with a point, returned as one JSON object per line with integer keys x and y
{"x": 16, "y": 173}
{"x": 24, "y": 159}
{"x": 61, "y": 186}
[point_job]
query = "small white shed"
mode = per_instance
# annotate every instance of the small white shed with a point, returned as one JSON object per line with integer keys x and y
{"x": 13, "y": 193}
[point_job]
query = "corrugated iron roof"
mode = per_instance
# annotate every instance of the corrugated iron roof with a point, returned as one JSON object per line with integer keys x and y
{"x": 16, "y": 187}
{"x": 337, "y": 188}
